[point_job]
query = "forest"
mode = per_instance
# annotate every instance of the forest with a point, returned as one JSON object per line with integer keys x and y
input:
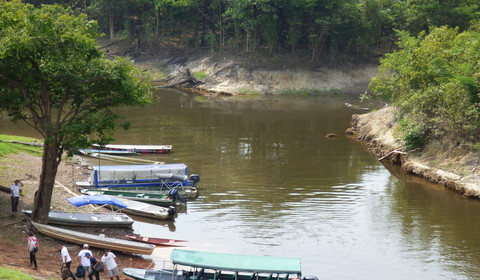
{"x": 332, "y": 30}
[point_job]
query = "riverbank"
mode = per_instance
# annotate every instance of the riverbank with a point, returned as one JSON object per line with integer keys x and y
{"x": 451, "y": 164}
{"x": 13, "y": 248}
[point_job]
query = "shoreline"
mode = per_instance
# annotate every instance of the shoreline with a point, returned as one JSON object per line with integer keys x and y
{"x": 456, "y": 167}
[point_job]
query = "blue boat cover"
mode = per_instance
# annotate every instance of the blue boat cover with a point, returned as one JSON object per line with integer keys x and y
{"x": 234, "y": 262}
{"x": 95, "y": 199}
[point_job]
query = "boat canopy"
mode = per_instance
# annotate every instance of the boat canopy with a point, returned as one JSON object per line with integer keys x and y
{"x": 122, "y": 174}
{"x": 236, "y": 263}
{"x": 95, "y": 199}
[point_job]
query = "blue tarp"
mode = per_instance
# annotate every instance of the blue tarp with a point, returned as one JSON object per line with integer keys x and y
{"x": 95, "y": 199}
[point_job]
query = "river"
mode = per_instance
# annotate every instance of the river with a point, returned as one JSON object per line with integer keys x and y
{"x": 273, "y": 184}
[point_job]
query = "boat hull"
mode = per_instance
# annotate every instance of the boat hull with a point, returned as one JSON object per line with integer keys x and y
{"x": 144, "y": 149}
{"x": 87, "y": 219}
{"x": 156, "y": 199}
{"x": 97, "y": 241}
{"x": 155, "y": 241}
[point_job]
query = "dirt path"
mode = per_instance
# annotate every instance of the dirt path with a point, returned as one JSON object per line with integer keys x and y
{"x": 13, "y": 247}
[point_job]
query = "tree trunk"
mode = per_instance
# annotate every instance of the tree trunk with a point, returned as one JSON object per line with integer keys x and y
{"x": 110, "y": 23}
{"x": 43, "y": 196}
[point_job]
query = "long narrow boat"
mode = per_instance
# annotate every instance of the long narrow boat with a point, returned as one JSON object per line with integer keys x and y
{"x": 98, "y": 241}
{"x": 121, "y": 159}
{"x": 219, "y": 266}
{"x": 109, "y": 152}
{"x": 150, "y": 149}
{"x": 86, "y": 219}
{"x": 155, "y": 240}
{"x": 151, "y": 198}
{"x": 147, "y": 210}
{"x": 126, "y": 206}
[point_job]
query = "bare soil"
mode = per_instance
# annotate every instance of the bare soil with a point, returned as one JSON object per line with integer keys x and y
{"x": 13, "y": 247}
{"x": 446, "y": 162}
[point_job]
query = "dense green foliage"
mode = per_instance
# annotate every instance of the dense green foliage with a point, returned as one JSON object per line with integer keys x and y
{"x": 435, "y": 81}
{"x": 320, "y": 28}
{"x": 54, "y": 78}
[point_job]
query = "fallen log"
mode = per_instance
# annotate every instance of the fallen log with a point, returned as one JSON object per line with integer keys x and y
{"x": 23, "y": 143}
{"x": 391, "y": 153}
{"x": 186, "y": 78}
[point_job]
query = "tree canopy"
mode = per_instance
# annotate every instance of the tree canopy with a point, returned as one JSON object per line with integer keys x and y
{"x": 54, "y": 77}
{"x": 434, "y": 79}
{"x": 318, "y": 29}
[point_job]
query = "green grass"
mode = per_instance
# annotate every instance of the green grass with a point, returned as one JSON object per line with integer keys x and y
{"x": 13, "y": 148}
{"x": 11, "y": 274}
{"x": 200, "y": 75}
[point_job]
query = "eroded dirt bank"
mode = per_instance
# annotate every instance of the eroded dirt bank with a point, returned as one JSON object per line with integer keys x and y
{"x": 448, "y": 163}
{"x": 235, "y": 74}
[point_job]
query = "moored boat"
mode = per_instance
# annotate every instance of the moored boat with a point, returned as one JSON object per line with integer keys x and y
{"x": 117, "y": 158}
{"x": 220, "y": 266}
{"x": 151, "y": 149}
{"x": 86, "y": 219}
{"x": 109, "y": 152}
{"x": 145, "y": 175}
{"x": 151, "y": 198}
{"x": 155, "y": 240}
{"x": 97, "y": 241}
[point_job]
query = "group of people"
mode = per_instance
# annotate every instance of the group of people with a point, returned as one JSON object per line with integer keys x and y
{"x": 91, "y": 265}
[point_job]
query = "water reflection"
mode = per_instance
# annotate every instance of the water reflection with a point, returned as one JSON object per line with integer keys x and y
{"x": 272, "y": 184}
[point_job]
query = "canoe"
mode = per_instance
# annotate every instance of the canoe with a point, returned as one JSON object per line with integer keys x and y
{"x": 187, "y": 192}
{"x": 145, "y": 209}
{"x": 150, "y": 149}
{"x": 97, "y": 241}
{"x": 86, "y": 219}
{"x": 121, "y": 159}
{"x": 154, "y": 240}
{"x": 109, "y": 152}
{"x": 220, "y": 266}
{"x": 151, "y": 198}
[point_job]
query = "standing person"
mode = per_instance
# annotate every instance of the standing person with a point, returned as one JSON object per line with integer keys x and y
{"x": 110, "y": 264}
{"x": 66, "y": 260}
{"x": 94, "y": 263}
{"x": 32, "y": 248}
{"x": 83, "y": 260}
{"x": 15, "y": 194}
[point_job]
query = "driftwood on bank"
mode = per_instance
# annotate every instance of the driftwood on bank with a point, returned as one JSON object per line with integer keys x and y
{"x": 356, "y": 107}
{"x": 396, "y": 151}
{"x": 183, "y": 78}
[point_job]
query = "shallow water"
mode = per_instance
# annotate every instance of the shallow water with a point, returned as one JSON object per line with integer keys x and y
{"x": 272, "y": 184}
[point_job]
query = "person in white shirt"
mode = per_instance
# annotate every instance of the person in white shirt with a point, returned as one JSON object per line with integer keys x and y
{"x": 110, "y": 264}
{"x": 84, "y": 261}
{"x": 66, "y": 260}
{"x": 15, "y": 194}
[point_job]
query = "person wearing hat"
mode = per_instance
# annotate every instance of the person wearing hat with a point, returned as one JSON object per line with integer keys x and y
{"x": 15, "y": 194}
{"x": 94, "y": 264}
{"x": 84, "y": 261}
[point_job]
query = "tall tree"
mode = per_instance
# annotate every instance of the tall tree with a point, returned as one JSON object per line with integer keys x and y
{"x": 53, "y": 77}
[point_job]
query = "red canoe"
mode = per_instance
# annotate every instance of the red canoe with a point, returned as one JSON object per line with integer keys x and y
{"x": 154, "y": 240}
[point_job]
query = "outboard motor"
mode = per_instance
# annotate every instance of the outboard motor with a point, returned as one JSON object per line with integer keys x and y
{"x": 195, "y": 178}
{"x": 173, "y": 194}
{"x": 172, "y": 210}
{"x": 309, "y": 277}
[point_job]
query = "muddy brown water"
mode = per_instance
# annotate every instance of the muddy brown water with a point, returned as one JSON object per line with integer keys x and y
{"x": 272, "y": 184}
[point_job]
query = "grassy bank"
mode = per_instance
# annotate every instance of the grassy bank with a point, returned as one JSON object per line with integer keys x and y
{"x": 10, "y": 144}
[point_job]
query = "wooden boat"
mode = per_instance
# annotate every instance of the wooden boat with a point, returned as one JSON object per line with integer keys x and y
{"x": 145, "y": 209}
{"x": 151, "y": 198}
{"x": 109, "y": 152}
{"x": 98, "y": 241}
{"x": 121, "y": 159}
{"x": 151, "y": 149}
{"x": 145, "y": 175}
{"x": 219, "y": 266}
{"x": 154, "y": 240}
{"x": 87, "y": 219}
